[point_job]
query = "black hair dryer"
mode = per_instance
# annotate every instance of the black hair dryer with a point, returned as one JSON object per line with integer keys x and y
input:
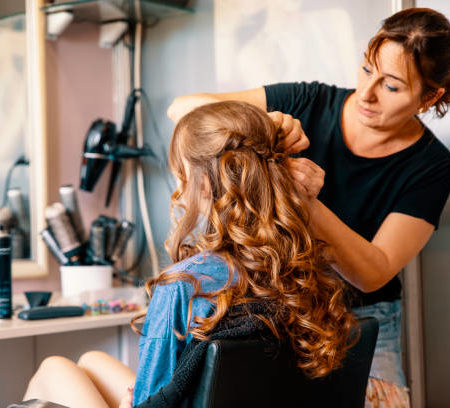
{"x": 104, "y": 144}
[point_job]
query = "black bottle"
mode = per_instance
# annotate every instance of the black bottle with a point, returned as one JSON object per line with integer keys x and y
{"x": 5, "y": 275}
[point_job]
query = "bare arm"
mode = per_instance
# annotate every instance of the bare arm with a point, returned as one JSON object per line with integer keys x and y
{"x": 184, "y": 104}
{"x": 370, "y": 265}
{"x": 366, "y": 265}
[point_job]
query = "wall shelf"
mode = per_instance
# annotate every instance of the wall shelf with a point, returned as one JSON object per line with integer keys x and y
{"x": 10, "y": 17}
{"x": 100, "y": 11}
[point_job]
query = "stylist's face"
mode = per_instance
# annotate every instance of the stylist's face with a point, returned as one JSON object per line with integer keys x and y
{"x": 385, "y": 99}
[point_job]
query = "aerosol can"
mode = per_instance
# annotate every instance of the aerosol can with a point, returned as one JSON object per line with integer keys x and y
{"x": 5, "y": 276}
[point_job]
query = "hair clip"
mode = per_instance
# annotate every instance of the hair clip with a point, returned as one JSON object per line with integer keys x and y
{"x": 277, "y": 158}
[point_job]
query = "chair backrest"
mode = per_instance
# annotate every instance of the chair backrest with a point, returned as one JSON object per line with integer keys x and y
{"x": 239, "y": 373}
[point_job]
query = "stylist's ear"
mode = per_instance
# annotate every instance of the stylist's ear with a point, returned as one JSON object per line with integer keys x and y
{"x": 431, "y": 99}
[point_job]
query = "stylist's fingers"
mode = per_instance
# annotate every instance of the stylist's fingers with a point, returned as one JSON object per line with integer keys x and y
{"x": 307, "y": 186}
{"x": 295, "y": 139}
{"x": 308, "y": 166}
{"x": 308, "y": 176}
{"x": 281, "y": 120}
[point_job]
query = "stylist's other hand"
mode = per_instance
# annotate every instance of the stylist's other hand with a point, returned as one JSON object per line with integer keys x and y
{"x": 127, "y": 400}
{"x": 296, "y": 140}
{"x": 308, "y": 176}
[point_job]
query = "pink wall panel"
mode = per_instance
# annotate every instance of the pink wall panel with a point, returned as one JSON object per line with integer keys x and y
{"x": 79, "y": 90}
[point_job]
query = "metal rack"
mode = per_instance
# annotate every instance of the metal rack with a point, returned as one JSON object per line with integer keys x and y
{"x": 101, "y": 11}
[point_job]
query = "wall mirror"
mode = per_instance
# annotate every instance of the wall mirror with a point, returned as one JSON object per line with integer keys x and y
{"x": 22, "y": 156}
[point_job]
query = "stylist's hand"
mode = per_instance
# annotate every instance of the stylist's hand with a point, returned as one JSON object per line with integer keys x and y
{"x": 127, "y": 400}
{"x": 308, "y": 176}
{"x": 296, "y": 140}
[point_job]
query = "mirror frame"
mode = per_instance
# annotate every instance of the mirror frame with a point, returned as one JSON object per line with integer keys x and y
{"x": 37, "y": 130}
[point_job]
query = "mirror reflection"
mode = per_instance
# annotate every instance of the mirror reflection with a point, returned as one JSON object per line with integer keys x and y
{"x": 14, "y": 152}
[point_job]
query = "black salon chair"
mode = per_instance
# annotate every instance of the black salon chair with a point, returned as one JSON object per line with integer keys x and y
{"x": 238, "y": 374}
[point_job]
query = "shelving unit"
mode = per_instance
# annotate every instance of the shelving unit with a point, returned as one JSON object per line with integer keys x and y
{"x": 100, "y": 11}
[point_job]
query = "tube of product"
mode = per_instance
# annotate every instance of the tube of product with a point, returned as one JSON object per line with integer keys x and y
{"x": 69, "y": 199}
{"x": 5, "y": 276}
{"x": 51, "y": 243}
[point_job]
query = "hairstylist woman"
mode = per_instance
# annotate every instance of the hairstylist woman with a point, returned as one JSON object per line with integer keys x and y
{"x": 374, "y": 177}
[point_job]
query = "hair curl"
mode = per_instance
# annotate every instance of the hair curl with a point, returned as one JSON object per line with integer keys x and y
{"x": 256, "y": 221}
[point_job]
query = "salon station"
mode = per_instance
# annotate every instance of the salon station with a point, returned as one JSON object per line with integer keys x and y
{"x": 110, "y": 183}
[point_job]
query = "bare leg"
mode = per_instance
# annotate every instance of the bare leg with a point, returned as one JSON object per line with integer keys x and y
{"x": 110, "y": 376}
{"x": 60, "y": 380}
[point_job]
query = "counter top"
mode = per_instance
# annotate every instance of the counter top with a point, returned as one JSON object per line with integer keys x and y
{"x": 15, "y": 327}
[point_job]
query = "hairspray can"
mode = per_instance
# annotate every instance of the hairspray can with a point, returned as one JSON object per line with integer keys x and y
{"x": 5, "y": 275}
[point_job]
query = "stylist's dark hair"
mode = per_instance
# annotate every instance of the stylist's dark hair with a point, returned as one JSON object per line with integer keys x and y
{"x": 425, "y": 37}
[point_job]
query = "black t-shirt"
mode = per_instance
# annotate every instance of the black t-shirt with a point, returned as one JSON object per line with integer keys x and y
{"x": 363, "y": 191}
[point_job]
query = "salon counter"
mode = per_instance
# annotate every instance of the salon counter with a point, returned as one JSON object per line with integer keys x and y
{"x": 15, "y": 327}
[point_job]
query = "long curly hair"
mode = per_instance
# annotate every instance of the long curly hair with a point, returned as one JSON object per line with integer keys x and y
{"x": 231, "y": 167}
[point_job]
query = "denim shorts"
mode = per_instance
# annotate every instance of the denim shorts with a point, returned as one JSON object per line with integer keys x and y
{"x": 387, "y": 361}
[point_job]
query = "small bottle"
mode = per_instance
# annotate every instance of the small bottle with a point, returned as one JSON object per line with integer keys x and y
{"x": 5, "y": 275}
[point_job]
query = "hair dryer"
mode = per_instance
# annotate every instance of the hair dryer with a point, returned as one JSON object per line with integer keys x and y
{"x": 104, "y": 144}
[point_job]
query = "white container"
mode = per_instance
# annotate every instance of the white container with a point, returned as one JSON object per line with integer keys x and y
{"x": 78, "y": 279}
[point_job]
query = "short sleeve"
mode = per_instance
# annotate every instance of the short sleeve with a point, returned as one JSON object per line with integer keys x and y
{"x": 427, "y": 197}
{"x": 291, "y": 97}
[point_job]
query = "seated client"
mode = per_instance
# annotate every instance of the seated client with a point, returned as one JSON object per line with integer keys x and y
{"x": 240, "y": 242}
